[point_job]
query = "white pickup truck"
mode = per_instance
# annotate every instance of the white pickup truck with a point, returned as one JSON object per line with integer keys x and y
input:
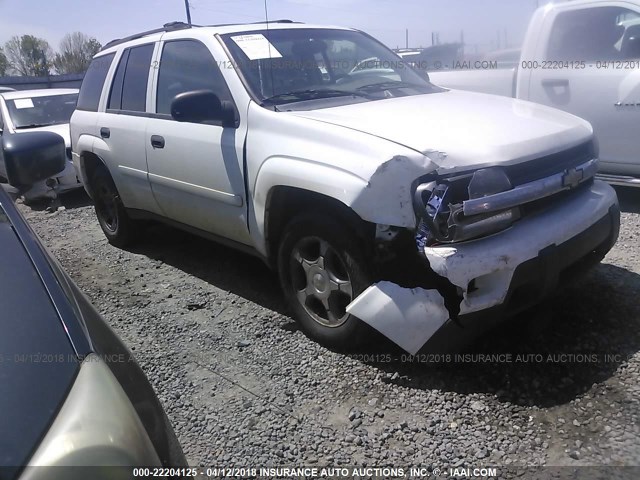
{"x": 582, "y": 57}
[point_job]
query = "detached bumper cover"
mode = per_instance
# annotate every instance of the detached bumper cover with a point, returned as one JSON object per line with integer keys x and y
{"x": 502, "y": 274}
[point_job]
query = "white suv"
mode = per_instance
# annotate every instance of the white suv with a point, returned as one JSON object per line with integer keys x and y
{"x": 382, "y": 200}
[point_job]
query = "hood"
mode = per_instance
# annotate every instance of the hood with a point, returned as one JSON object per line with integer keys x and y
{"x": 62, "y": 130}
{"x": 459, "y": 129}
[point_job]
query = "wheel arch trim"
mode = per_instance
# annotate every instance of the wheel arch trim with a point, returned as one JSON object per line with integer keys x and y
{"x": 85, "y": 147}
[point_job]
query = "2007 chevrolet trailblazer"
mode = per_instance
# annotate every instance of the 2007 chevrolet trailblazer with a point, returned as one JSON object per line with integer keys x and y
{"x": 381, "y": 199}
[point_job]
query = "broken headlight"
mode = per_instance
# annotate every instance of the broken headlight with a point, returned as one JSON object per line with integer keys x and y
{"x": 439, "y": 206}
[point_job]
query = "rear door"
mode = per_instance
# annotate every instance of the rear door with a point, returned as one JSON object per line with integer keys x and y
{"x": 122, "y": 127}
{"x": 590, "y": 66}
{"x": 195, "y": 169}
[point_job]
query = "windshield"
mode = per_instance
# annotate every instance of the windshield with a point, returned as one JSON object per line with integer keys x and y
{"x": 32, "y": 112}
{"x": 289, "y": 65}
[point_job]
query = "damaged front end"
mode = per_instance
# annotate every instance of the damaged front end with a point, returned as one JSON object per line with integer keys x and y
{"x": 464, "y": 207}
{"x": 441, "y": 205}
{"x": 474, "y": 229}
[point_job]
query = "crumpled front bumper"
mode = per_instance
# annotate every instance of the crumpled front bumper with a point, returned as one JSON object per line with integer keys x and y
{"x": 503, "y": 273}
{"x": 491, "y": 262}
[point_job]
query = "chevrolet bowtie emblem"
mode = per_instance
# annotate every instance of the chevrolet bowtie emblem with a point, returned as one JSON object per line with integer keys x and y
{"x": 572, "y": 178}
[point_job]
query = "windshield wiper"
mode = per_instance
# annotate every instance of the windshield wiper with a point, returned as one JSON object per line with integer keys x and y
{"x": 312, "y": 94}
{"x": 389, "y": 85}
{"x": 34, "y": 125}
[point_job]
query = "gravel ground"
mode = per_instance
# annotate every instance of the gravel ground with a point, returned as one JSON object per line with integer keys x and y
{"x": 244, "y": 387}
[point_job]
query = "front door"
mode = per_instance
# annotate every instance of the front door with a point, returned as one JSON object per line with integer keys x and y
{"x": 195, "y": 169}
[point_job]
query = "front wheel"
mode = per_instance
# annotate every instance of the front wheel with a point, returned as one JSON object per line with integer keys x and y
{"x": 322, "y": 270}
{"x": 119, "y": 229}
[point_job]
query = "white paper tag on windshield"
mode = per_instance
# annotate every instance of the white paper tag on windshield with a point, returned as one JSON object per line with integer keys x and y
{"x": 256, "y": 46}
{"x": 23, "y": 103}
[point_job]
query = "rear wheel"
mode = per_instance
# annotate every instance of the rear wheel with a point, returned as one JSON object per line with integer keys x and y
{"x": 119, "y": 229}
{"x": 322, "y": 270}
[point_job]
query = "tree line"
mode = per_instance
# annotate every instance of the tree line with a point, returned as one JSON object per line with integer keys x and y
{"x": 32, "y": 56}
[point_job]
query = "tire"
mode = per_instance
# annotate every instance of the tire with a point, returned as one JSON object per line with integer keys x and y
{"x": 318, "y": 255}
{"x": 119, "y": 229}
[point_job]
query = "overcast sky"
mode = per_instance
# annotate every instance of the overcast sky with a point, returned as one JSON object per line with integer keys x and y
{"x": 481, "y": 20}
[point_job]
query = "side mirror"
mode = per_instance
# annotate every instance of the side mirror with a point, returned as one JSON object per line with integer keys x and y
{"x": 32, "y": 156}
{"x": 202, "y": 106}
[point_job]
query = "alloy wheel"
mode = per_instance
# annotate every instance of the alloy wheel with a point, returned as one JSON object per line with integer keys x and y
{"x": 321, "y": 281}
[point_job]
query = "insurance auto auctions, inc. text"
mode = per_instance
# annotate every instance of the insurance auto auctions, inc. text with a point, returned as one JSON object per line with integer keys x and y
{"x": 355, "y": 472}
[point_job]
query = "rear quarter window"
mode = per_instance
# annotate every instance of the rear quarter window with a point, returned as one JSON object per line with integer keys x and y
{"x": 93, "y": 82}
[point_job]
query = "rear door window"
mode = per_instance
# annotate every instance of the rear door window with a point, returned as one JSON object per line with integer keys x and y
{"x": 129, "y": 89}
{"x": 115, "y": 97}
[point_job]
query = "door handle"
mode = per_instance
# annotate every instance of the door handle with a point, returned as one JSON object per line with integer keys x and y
{"x": 105, "y": 132}
{"x": 157, "y": 141}
{"x": 556, "y": 82}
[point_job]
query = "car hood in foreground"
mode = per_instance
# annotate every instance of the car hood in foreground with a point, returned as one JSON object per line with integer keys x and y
{"x": 463, "y": 129}
{"x": 37, "y": 361}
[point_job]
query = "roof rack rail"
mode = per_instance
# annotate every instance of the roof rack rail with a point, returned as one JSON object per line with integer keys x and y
{"x": 172, "y": 26}
{"x": 167, "y": 27}
{"x": 284, "y": 20}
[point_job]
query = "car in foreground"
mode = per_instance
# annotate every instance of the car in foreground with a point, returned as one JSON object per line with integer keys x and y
{"x": 41, "y": 110}
{"x": 73, "y": 394}
{"x": 383, "y": 201}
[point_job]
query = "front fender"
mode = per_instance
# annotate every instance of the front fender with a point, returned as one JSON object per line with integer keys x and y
{"x": 382, "y": 198}
{"x": 302, "y": 174}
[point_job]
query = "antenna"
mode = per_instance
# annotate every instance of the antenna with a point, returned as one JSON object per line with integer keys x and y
{"x": 186, "y": 6}
{"x": 266, "y": 18}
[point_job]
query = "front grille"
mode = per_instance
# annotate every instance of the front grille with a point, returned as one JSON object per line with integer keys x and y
{"x": 458, "y": 214}
{"x": 544, "y": 203}
{"x": 551, "y": 164}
